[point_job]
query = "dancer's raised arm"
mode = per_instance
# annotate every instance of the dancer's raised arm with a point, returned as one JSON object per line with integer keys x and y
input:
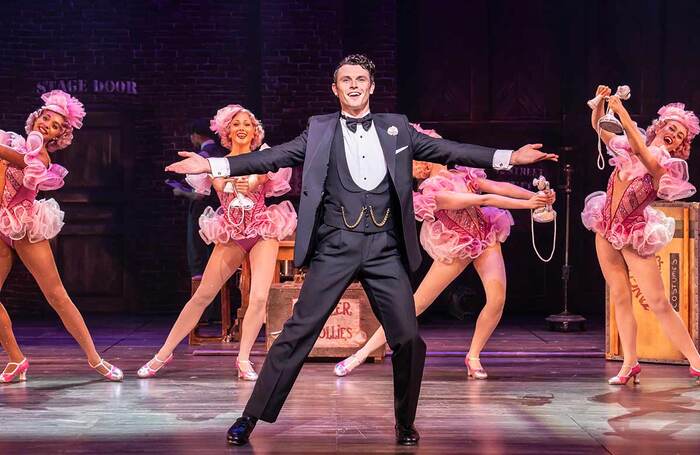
{"x": 599, "y": 111}
{"x": 637, "y": 141}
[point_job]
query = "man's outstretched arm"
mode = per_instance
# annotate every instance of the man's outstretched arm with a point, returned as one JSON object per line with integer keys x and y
{"x": 443, "y": 151}
{"x": 289, "y": 154}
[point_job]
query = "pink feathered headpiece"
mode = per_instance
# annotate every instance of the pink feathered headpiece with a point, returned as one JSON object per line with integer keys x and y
{"x": 221, "y": 125}
{"x": 65, "y": 105}
{"x": 431, "y": 133}
{"x": 677, "y": 112}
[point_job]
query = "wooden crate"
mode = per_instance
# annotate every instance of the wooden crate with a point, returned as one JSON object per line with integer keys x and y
{"x": 678, "y": 262}
{"x": 347, "y": 329}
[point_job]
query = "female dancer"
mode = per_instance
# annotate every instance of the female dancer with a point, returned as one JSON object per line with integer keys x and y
{"x": 237, "y": 231}
{"x": 26, "y": 225}
{"x": 628, "y": 232}
{"x": 457, "y": 231}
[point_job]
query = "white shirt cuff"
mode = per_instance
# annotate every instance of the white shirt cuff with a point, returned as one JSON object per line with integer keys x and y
{"x": 501, "y": 160}
{"x": 219, "y": 167}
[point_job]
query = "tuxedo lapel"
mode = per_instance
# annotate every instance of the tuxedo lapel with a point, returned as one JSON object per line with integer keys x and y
{"x": 388, "y": 143}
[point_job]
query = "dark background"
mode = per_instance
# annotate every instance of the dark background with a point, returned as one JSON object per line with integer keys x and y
{"x": 492, "y": 72}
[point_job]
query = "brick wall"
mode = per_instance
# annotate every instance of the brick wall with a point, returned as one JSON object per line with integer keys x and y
{"x": 188, "y": 58}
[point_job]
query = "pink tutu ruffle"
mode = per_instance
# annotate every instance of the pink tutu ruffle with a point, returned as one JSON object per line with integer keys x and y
{"x": 439, "y": 235}
{"x": 646, "y": 236}
{"x": 37, "y": 177}
{"x": 277, "y": 221}
{"x": 200, "y": 183}
{"x": 673, "y": 185}
{"x": 592, "y": 215}
{"x": 42, "y": 220}
{"x": 446, "y": 245}
{"x": 278, "y": 182}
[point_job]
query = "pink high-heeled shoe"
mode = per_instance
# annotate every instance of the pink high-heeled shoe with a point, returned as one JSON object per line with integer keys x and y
{"x": 634, "y": 372}
{"x": 147, "y": 372}
{"x": 478, "y": 373}
{"x": 113, "y": 373}
{"x": 247, "y": 375}
{"x": 345, "y": 367}
{"x": 19, "y": 372}
{"x": 695, "y": 373}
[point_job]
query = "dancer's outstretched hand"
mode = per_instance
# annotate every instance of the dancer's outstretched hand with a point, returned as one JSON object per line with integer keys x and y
{"x": 192, "y": 164}
{"x": 531, "y": 153}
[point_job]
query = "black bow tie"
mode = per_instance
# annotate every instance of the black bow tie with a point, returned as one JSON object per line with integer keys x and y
{"x": 351, "y": 122}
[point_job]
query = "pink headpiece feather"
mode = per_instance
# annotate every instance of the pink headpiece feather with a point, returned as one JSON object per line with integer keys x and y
{"x": 68, "y": 106}
{"x": 431, "y": 133}
{"x": 65, "y": 105}
{"x": 677, "y": 112}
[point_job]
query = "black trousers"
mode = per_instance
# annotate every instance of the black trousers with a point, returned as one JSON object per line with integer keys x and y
{"x": 342, "y": 256}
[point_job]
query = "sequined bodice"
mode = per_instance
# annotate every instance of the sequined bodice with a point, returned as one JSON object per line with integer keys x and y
{"x": 638, "y": 194}
{"x": 233, "y": 215}
{"x": 468, "y": 221}
{"x": 10, "y": 183}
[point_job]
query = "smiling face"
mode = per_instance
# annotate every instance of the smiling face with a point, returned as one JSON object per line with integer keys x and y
{"x": 50, "y": 124}
{"x": 353, "y": 86}
{"x": 242, "y": 131}
{"x": 421, "y": 169}
{"x": 671, "y": 135}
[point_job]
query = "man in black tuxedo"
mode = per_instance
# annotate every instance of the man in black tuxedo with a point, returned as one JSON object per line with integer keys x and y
{"x": 356, "y": 221}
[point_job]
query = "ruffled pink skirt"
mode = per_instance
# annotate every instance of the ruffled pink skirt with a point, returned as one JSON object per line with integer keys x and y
{"x": 42, "y": 220}
{"x": 646, "y": 237}
{"x": 447, "y": 245}
{"x": 277, "y": 221}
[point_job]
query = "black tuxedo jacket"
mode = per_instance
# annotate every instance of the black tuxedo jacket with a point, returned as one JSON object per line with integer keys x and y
{"x": 401, "y": 144}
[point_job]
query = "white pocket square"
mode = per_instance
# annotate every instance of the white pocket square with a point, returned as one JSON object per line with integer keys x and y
{"x": 401, "y": 149}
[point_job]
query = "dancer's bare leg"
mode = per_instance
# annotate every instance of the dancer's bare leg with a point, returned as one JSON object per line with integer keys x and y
{"x": 7, "y": 336}
{"x": 263, "y": 258}
{"x": 614, "y": 268}
{"x": 648, "y": 277}
{"x": 223, "y": 262}
{"x": 39, "y": 260}
{"x": 439, "y": 276}
{"x": 491, "y": 269}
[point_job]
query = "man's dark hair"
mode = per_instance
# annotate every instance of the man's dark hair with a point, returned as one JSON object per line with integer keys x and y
{"x": 201, "y": 126}
{"x": 356, "y": 59}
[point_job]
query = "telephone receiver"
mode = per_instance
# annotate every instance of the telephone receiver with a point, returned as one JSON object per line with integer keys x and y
{"x": 240, "y": 201}
{"x": 544, "y": 214}
{"x": 609, "y": 122}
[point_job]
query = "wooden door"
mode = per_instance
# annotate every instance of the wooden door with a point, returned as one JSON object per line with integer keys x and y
{"x": 92, "y": 251}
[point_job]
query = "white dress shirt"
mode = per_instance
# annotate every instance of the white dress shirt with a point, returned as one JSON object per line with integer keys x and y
{"x": 364, "y": 155}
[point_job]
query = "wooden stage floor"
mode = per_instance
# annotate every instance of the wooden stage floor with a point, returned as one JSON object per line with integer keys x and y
{"x": 547, "y": 393}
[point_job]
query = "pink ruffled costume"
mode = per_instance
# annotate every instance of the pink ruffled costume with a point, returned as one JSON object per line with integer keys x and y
{"x": 246, "y": 227}
{"x": 633, "y": 222}
{"x": 449, "y": 235}
{"x": 21, "y": 215}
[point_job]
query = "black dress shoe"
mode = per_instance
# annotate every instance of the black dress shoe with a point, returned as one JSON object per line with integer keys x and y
{"x": 406, "y": 435}
{"x": 240, "y": 431}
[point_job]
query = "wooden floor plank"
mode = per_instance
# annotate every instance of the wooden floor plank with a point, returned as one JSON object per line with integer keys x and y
{"x": 529, "y": 405}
